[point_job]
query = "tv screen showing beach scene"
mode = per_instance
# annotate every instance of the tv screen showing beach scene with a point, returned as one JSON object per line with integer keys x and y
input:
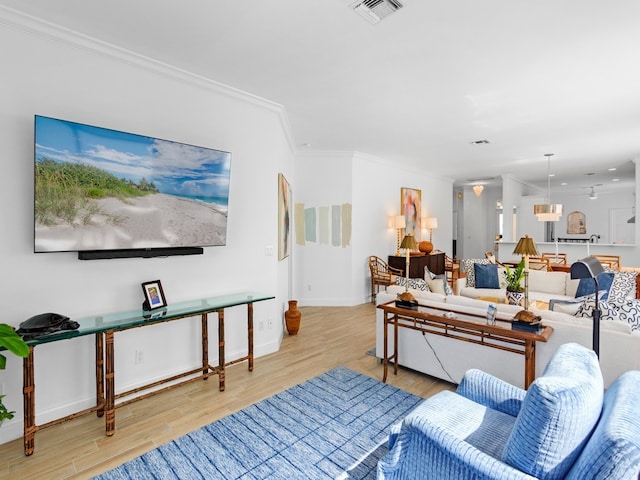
{"x": 102, "y": 189}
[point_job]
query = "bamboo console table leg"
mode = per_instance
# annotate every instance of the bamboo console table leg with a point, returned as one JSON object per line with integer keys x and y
{"x": 99, "y": 374}
{"x": 393, "y": 320}
{"x": 205, "y": 345}
{"x": 221, "y": 348}
{"x": 110, "y": 410}
{"x": 395, "y": 344}
{"x": 29, "y": 403}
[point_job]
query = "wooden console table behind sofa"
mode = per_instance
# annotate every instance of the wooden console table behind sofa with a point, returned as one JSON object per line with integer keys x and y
{"x": 466, "y": 327}
{"x": 104, "y": 327}
{"x": 435, "y": 262}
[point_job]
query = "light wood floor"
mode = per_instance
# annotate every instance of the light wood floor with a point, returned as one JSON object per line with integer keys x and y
{"x": 328, "y": 337}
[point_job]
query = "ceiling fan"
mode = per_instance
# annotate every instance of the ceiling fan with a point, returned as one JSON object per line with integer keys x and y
{"x": 593, "y": 195}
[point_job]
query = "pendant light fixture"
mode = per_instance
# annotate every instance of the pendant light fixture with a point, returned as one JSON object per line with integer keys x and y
{"x": 548, "y": 212}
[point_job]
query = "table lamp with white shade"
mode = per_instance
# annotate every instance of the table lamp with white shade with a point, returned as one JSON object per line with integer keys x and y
{"x": 398, "y": 223}
{"x": 429, "y": 223}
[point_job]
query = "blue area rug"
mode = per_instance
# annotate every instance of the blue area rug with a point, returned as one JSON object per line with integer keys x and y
{"x": 335, "y": 425}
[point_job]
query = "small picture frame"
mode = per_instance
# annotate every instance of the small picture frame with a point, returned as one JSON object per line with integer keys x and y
{"x": 153, "y": 295}
{"x": 491, "y": 314}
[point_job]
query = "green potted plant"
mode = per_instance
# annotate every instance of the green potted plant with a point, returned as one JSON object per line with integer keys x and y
{"x": 514, "y": 276}
{"x": 14, "y": 343}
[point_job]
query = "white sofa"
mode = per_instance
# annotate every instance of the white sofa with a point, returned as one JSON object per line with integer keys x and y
{"x": 448, "y": 358}
{"x": 543, "y": 286}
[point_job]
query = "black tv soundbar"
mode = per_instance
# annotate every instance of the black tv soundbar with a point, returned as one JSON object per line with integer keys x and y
{"x": 139, "y": 252}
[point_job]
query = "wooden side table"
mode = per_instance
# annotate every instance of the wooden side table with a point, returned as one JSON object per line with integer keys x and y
{"x": 435, "y": 262}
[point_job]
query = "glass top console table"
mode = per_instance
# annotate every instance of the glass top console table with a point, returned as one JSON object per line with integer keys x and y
{"x": 103, "y": 328}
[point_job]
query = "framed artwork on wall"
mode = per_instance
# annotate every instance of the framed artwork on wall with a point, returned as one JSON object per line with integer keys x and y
{"x": 411, "y": 208}
{"x": 576, "y": 223}
{"x": 284, "y": 217}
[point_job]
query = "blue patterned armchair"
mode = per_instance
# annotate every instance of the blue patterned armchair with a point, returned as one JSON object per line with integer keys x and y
{"x": 563, "y": 426}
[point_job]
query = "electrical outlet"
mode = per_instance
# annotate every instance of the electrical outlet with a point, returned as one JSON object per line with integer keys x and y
{"x": 269, "y": 323}
{"x": 139, "y": 357}
{"x": 260, "y": 325}
{"x": 268, "y": 250}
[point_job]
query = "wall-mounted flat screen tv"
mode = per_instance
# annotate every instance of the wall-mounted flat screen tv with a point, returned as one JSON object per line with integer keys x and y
{"x": 110, "y": 194}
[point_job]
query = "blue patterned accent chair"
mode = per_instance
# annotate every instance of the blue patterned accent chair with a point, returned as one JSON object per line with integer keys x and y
{"x": 563, "y": 426}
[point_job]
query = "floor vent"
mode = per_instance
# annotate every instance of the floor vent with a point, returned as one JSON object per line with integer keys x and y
{"x": 375, "y": 10}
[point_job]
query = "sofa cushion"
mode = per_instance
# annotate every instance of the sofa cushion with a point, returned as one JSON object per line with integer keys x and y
{"x": 467, "y": 266}
{"x": 623, "y": 286}
{"x": 571, "y": 305}
{"x": 559, "y": 411}
{"x": 421, "y": 295}
{"x": 571, "y": 286}
{"x": 625, "y": 313}
{"x": 613, "y": 450}
{"x": 472, "y": 292}
{"x": 437, "y": 283}
{"x": 486, "y": 275}
{"x": 621, "y": 327}
{"x": 587, "y": 285}
{"x": 548, "y": 282}
{"x": 628, "y": 311}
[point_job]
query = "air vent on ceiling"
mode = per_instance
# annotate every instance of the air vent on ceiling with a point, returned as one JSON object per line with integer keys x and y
{"x": 375, "y": 10}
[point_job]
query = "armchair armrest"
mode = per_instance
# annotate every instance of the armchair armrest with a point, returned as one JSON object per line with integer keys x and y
{"x": 396, "y": 271}
{"x": 491, "y": 392}
{"x": 423, "y": 450}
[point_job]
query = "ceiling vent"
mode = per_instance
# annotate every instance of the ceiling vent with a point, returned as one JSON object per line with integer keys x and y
{"x": 375, "y": 10}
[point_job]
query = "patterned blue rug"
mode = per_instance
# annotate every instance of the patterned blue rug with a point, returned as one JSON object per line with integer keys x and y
{"x": 335, "y": 425}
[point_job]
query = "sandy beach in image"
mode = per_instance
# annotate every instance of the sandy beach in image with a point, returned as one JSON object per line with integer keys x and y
{"x": 152, "y": 221}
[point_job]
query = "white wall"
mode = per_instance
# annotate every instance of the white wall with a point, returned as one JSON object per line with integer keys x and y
{"x": 512, "y": 192}
{"x": 478, "y": 232}
{"x": 52, "y": 72}
{"x": 597, "y": 212}
{"x": 340, "y": 275}
{"x": 476, "y": 219}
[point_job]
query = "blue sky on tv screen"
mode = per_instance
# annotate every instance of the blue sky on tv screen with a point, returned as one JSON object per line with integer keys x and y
{"x": 175, "y": 168}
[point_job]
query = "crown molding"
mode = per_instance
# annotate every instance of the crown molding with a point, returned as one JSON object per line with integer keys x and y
{"x": 68, "y": 38}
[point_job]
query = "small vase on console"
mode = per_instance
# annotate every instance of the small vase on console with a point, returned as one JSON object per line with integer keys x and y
{"x": 292, "y": 317}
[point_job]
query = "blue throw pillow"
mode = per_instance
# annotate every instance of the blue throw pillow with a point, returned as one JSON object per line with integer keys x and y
{"x": 587, "y": 285}
{"x": 487, "y": 275}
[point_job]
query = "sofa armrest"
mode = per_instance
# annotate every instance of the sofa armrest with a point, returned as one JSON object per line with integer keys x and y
{"x": 423, "y": 450}
{"x": 491, "y": 392}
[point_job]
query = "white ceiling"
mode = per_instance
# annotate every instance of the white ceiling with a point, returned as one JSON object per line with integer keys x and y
{"x": 418, "y": 88}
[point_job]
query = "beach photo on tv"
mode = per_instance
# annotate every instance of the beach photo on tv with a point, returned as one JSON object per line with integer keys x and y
{"x": 103, "y": 189}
